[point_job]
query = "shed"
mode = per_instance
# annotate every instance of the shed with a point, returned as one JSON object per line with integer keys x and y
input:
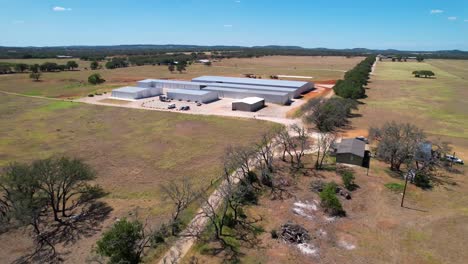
{"x": 249, "y": 104}
{"x": 130, "y": 92}
{"x": 351, "y": 151}
{"x": 192, "y": 95}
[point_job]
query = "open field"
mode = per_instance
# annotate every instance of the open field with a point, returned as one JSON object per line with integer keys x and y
{"x": 439, "y": 106}
{"x": 72, "y": 84}
{"x": 133, "y": 151}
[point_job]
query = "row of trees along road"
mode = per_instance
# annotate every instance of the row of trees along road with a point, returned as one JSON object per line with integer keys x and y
{"x": 352, "y": 86}
{"x": 54, "y": 197}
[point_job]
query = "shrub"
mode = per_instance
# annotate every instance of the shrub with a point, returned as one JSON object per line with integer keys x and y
{"x": 274, "y": 234}
{"x": 422, "y": 180}
{"x": 330, "y": 202}
{"x": 348, "y": 180}
{"x": 95, "y": 79}
{"x": 90, "y": 95}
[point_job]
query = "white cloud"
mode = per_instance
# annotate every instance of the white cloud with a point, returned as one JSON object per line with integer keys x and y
{"x": 466, "y": 20}
{"x": 452, "y": 18}
{"x": 227, "y": 26}
{"x": 436, "y": 11}
{"x": 238, "y": 1}
{"x": 60, "y": 9}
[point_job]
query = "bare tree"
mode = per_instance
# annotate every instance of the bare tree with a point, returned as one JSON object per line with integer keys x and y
{"x": 397, "y": 143}
{"x": 324, "y": 143}
{"x": 265, "y": 151}
{"x": 181, "y": 193}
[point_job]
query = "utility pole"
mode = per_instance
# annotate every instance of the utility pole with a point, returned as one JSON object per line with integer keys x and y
{"x": 404, "y": 190}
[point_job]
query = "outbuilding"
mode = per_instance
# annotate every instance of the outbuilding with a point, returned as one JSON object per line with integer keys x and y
{"x": 192, "y": 95}
{"x": 351, "y": 151}
{"x": 249, "y": 104}
{"x": 130, "y": 92}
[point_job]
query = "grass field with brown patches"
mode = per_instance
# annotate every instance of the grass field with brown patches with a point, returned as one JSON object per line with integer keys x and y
{"x": 70, "y": 84}
{"x": 133, "y": 151}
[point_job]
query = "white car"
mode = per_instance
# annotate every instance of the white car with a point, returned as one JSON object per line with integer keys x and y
{"x": 454, "y": 159}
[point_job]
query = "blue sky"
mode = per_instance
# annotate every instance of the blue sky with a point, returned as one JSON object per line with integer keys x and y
{"x": 396, "y": 24}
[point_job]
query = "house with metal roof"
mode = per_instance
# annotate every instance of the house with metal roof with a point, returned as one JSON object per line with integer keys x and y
{"x": 351, "y": 151}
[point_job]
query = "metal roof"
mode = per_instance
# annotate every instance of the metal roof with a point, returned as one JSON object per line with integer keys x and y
{"x": 292, "y": 84}
{"x": 213, "y": 88}
{"x": 186, "y": 91}
{"x": 178, "y": 82}
{"x": 253, "y": 87}
{"x": 249, "y": 100}
{"x": 130, "y": 89}
{"x": 353, "y": 146}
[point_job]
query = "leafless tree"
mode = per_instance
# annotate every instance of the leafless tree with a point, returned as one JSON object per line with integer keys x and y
{"x": 324, "y": 143}
{"x": 265, "y": 151}
{"x": 294, "y": 142}
{"x": 181, "y": 193}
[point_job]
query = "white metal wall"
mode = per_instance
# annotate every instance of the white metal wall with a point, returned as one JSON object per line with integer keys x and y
{"x": 203, "y": 98}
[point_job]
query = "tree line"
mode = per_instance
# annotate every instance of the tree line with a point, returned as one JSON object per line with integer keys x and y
{"x": 355, "y": 80}
{"x": 7, "y": 68}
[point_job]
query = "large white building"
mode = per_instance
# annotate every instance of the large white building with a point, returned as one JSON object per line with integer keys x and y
{"x": 200, "y": 96}
{"x": 273, "y": 91}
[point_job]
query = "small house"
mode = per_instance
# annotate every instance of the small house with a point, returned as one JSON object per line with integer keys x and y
{"x": 351, "y": 151}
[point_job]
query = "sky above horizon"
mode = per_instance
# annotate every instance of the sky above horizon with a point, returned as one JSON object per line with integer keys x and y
{"x": 396, "y": 24}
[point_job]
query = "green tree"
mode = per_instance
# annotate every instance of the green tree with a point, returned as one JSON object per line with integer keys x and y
{"x": 34, "y": 68}
{"x": 94, "y": 65}
{"x": 35, "y": 76}
{"x": 71, "y": 65}
{"x": 171, "y": 68}
{"x": 420, "y": 58}
{"x": 348, "y": 180}
{"x": 181, "y": 66}
{"x": 124, "y": 242}
{"x": 95, "y": 79}
{"x": 21, "y": 67}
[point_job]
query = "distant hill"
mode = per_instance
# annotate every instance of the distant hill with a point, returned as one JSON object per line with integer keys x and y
{"x": 149, "y": 49}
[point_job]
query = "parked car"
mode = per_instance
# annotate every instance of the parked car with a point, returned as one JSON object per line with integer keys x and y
{"x": 187, "y": 108}
{"x": 182, "y": 108}
{"x": 171, "y": 106}
{"x": 454, "y": 159}
{"x": 363, "y": 139}
{"x": 199, "y": 104}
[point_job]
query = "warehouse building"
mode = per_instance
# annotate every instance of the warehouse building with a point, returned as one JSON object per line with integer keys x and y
{"x": 130, "y": 92}
{"x": 293, "y": 93}
{"x": 249, "y": 104}
{"x": 192, "y": 95}
{"x": 302, "y": 87}
{"x": 171, "y": 84}
{"x": 272, "y": 97}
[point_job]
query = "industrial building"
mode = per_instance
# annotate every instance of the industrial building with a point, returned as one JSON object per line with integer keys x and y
{"x": 192, "y": 95}
{"x": 130, "y": 92}
{"x": 273, "y": 91}
{"x": 272, "y": 97}
{"x": 302, "y": 87}
{"x": 249, "y": 104}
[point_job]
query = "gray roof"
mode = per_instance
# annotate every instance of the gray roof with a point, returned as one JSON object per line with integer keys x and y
{"x": 353, "y": 146}
{"x": 253, "y": 87}
{"x": 187, "y": 91}
{"x": 213, "y": 88}
{"x": 179, "y": 82}
{"x": 130, "y": 89}
{"x": 292, "y": 84}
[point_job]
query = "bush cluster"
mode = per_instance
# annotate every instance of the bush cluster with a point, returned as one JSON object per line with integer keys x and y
{"x": 354, "y": 80}
{"x": 330, "y": 202}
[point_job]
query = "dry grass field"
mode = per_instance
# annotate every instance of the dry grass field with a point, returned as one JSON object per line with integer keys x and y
{"x": 133, "y": 151}
{"x": 71, "y": 84}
